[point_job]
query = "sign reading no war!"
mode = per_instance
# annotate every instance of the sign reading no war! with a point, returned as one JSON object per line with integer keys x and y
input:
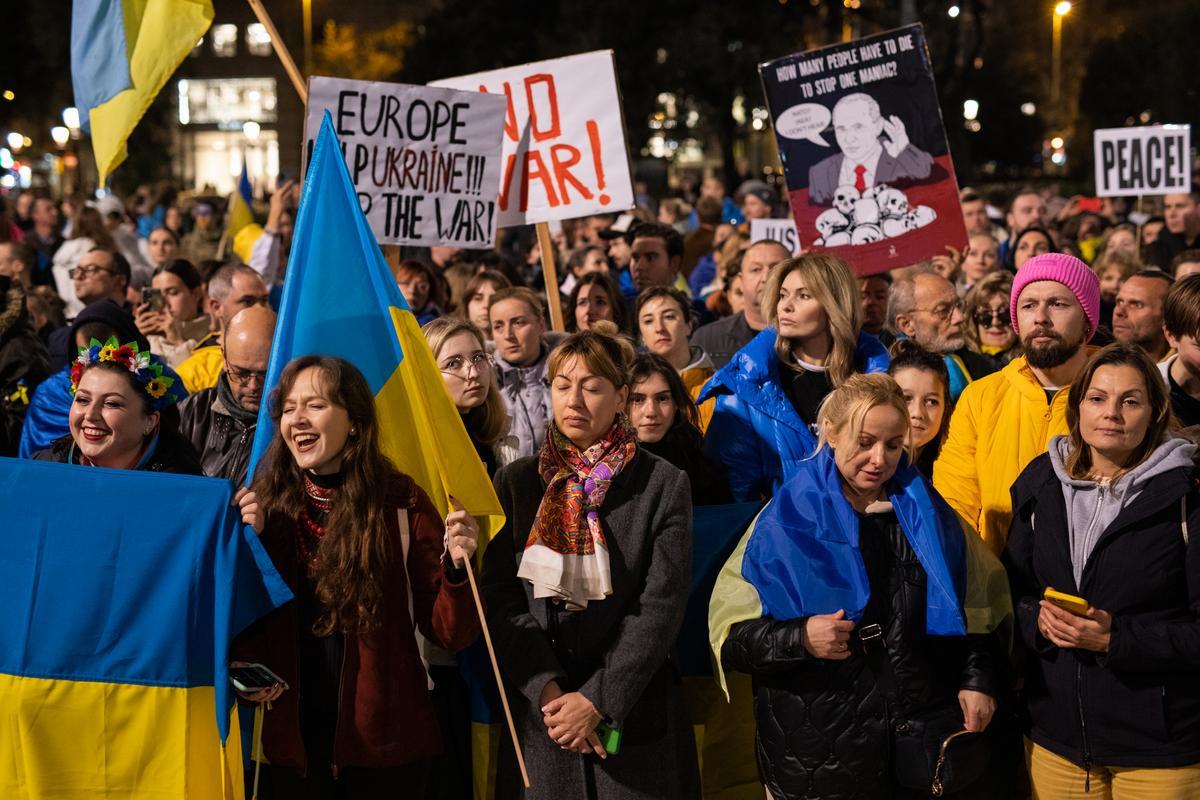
{"x": 1147, "y": 160}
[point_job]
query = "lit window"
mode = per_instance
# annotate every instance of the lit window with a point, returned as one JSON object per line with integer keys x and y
{"x": 224, "y": 40}
{"x": 258, "y": 41}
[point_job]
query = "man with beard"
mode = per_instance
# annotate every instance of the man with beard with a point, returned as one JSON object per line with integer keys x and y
{"x": 924, "y": 307}
{"x": 1003, "y": 421}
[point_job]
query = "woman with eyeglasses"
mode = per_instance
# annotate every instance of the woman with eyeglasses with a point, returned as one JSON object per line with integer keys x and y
{"x": 470, "y": 378}
{"x": 989, "y": 329}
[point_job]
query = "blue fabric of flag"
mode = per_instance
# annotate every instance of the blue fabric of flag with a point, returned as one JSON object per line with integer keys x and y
{"x": 99, "y": 58}
{"x": 126, "y": 577}
{"x": 803, "y": 558}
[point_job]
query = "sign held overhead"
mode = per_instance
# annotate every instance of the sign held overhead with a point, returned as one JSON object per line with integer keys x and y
{"x": 425, "y": 162}
{"x": 1146, "y": 160}
{"x": 564, "y": 138}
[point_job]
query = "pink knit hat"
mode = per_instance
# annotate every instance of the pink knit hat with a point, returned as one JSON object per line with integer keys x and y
{"x": 1070, "y": 272}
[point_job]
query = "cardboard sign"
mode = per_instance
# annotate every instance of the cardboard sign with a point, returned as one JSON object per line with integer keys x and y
{"x": 777, "y": 230}
{"x": 864, "y": 152}
{"x": 425, "y": 162}
{"x": 564, "y": 139}
{"x": 1148, "y": 160}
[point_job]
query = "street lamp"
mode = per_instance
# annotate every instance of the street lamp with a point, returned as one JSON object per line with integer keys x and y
{"x": 60, "y": 135}
{"x": 70, "y": 117}
{"x": 15, "y": 141}
{"x": 1060, "y": 11}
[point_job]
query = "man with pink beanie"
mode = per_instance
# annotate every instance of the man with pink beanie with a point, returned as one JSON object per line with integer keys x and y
{"x": 1003, "y": 421}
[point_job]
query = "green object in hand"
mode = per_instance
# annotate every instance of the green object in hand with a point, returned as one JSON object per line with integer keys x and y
{"x": 610, "y": 738}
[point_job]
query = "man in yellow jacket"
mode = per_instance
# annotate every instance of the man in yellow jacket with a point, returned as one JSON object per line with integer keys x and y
{"x": 230, "y": 289}
{"x": 1005, "y": 420}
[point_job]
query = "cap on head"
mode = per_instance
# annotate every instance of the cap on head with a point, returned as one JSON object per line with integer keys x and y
{"x": 1070, "y": 272}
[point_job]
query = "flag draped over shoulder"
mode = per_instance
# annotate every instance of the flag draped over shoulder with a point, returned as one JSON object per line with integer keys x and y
{"x": 122, "y": 53}
{"x": 340, "y": 299}
{"x": 122, "y": 591}
{"x": 800, "y": 557}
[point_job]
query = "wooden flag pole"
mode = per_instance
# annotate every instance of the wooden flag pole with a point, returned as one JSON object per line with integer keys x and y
{"x": 289, "y": 64}
{"x": 487, "y": 638}
{"x": 550, "y": 275}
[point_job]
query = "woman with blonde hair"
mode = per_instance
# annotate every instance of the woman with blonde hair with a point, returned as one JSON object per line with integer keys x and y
{"x": 585, "y": 588}
{"x": 848, "y": 603}
{"x": 767, "y": 396}
{"x": 470, "y": 377}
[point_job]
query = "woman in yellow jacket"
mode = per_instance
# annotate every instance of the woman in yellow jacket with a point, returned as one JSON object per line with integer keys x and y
{"x": 1005, "y": 420}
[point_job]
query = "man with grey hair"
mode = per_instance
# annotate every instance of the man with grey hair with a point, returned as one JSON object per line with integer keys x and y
{"x": 230, "y": 289}
{"x": 924, "y": 307}
{"x": 865, "y": 159}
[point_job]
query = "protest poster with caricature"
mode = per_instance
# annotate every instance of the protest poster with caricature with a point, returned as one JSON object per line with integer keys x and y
{"x": 864, "y": 152}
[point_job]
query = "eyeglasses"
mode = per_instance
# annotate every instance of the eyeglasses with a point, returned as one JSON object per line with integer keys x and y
{"x": 461, "y": 366}
{"x": 944, "y": 311}
{"x": 985, "y": 316}
{"x": 83, "y": 272}
{"x": 243, "y": 376}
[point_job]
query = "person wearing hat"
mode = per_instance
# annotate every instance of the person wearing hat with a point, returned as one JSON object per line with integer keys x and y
{"x": 757, "y": 199}
{"x": 205, "y": 239}
{"x": 616, "y": 238}
{"x": 1005, "y": 420}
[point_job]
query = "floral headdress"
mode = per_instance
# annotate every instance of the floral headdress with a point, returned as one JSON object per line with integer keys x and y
{"x": 147, "y": 375}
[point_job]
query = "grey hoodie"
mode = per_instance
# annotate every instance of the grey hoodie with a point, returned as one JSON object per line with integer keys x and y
{"x": 1092, "y": 506}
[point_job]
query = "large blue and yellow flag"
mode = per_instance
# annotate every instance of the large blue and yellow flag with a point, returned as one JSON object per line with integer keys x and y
{"x": 800, "y": 557}
{"x": 122, "y": 591}
{"x": 122, "y": 53}
{"x": 340, "y": 299}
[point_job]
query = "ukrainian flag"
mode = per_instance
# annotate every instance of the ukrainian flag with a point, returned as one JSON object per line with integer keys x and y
{"x": 340, "y": 299}
{"x": 122, "y": 53}
{"x": 122, "y": 591}
{"x": 241, "y": 229}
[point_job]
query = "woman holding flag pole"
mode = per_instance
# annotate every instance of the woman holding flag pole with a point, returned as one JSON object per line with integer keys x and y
{"x": 375, "y": 570}
{"x": 865, "y": 614}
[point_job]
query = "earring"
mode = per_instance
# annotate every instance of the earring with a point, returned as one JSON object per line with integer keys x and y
{"x": 353, "y": 431}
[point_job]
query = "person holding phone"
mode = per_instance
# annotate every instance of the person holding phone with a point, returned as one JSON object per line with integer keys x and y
{"x": 171, "y": 314}
{"x": 375, "y": 571}
{"x": 1106, "y": 518}
{"x": 586, "y": 587}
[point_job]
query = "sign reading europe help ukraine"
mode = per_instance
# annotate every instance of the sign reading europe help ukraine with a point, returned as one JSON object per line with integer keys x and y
{"x": 425, "y": 162}
{"x": 564, "y": 138}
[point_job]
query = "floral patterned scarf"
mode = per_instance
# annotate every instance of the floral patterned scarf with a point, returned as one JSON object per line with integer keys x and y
{"x": 566, "y": 556}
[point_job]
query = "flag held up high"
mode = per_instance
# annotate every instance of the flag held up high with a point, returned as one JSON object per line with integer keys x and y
{"x": 340, "y": 299}
{"x": 122, "y": 54}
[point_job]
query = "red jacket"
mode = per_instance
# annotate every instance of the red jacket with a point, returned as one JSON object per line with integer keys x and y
{"x": 385, "y": 716}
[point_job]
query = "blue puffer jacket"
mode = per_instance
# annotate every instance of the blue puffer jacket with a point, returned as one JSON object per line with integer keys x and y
{"x": 755, "y": 430}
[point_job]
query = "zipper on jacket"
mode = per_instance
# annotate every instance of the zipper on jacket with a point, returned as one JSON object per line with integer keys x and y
{"x": 1087, "y": 752}
{"x": 333, "y": 767}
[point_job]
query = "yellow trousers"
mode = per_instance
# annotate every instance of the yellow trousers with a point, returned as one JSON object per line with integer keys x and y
{"x": 1056, "y": 778}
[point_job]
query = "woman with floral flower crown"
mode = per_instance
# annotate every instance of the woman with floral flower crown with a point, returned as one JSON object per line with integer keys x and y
{"x": 123, "y": 414}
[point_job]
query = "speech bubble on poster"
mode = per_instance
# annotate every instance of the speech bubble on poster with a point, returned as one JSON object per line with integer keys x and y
{"x": 1152, "y": 159}
{"x": 425, "y": 162}
{"x": 864, "y": 152}
{"x": 564, "y": 138}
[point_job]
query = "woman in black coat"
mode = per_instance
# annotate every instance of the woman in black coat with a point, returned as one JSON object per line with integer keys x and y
{"x": 1107, "y": 516}
{"x": 585, "y": 588}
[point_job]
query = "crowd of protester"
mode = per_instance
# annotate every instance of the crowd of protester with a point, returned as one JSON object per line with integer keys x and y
{"x": 914, "y": 427}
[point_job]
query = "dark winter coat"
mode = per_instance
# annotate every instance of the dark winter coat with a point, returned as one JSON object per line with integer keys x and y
{"x": 220, "y": 430}
{"x": 1138, "y": 705}
{"x": 385, "y": 717}
{"x": 172, "y": 454}
{"x": 615, "y": 652}
{"x": 824, "y": 725}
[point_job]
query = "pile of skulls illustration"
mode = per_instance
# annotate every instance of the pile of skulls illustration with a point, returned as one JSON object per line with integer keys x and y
{"x": 880, "y": 212}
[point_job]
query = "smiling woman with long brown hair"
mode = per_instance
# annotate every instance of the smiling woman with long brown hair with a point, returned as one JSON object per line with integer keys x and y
{"x": 370, "y": 562}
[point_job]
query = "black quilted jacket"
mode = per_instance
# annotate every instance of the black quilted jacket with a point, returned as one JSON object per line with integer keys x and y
{"x": 823, "y": 726}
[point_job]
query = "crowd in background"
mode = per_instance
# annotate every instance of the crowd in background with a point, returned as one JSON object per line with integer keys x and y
{"x": 1037, "y": 385}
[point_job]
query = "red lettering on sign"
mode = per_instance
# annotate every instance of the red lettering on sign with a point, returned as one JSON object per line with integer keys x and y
{"x": 563, "y": 157}
{"x": 554, "y": 128}
{"x": 540, "y": 173}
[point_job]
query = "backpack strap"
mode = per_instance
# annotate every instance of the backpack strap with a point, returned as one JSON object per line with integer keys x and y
{"x": 405, "y": 541}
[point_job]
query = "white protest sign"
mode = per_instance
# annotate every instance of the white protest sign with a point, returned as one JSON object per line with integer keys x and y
{"x": 425, "y": 162}
{"x": 777, "y": 230}
{"x": 1148, "y": 160}
{"x": 564, "y": 138}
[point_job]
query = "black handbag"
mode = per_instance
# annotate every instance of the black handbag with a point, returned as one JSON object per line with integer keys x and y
{"x": 931, "y": 750}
